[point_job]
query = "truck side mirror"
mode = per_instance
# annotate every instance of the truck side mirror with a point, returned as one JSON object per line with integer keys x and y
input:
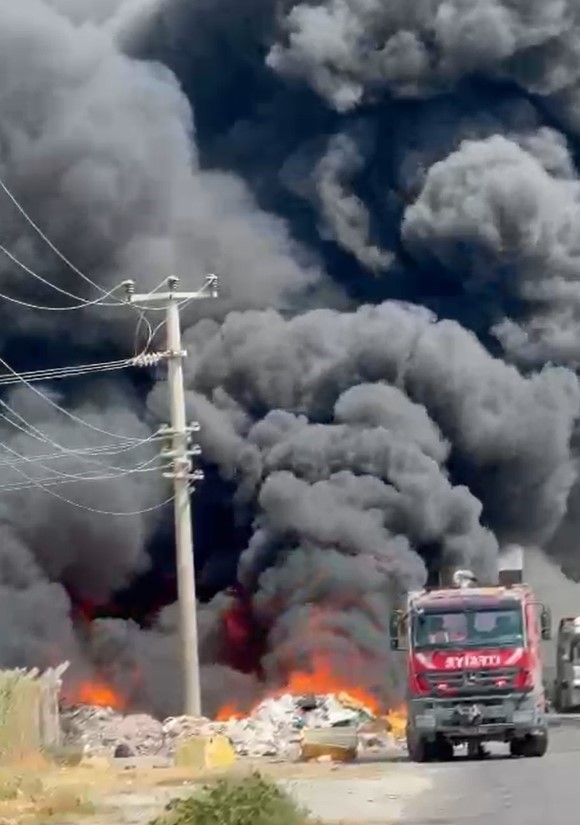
{"x": 546, "y": 623}
{"x": 395, "y": 625}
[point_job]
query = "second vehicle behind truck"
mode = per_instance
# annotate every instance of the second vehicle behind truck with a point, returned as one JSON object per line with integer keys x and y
{"x": 567, "y": 683}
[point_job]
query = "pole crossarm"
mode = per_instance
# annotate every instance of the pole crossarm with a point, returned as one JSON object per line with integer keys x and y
{"x": 208, "y": 290}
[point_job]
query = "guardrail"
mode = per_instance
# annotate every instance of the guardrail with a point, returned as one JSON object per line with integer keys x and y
{"x": 563, "y": 720}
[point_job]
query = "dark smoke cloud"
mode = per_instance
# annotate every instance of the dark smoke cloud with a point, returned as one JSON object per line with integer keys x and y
{"x": 347, "y": 427}
{"x": 352, "y": 52}
{"x": 388, "y": 192}
{"x": 497, "y": 422}
{"x": 492, "y": 213}
{"x": 100, "y": 149}
{"x": 346, "y": 220}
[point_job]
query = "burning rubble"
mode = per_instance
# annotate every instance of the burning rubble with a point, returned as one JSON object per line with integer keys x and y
{"x": 276, "y": 726}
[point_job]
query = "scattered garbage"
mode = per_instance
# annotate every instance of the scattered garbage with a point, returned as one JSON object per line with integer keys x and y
{"x": 279, "y": 727}
{"x": 104, "y": 731}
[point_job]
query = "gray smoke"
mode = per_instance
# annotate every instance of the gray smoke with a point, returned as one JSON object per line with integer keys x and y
{"x": 510, "y": 433}
{"x": 324, "y": 177}
{"x": 492, "y": 208}
{"x": 363, "y": 447}
{"x": 55, "y": 538}
{"x": 343, "y": 427}
{"x": 100, "y": 150}
{"x": 351, "y": 52}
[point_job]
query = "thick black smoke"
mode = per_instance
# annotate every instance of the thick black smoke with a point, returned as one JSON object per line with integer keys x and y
{"x": 389, "y": 194}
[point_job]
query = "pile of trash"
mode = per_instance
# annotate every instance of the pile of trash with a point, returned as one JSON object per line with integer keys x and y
{"x": 275, "y": 728}
{"x": 104, "y": 731}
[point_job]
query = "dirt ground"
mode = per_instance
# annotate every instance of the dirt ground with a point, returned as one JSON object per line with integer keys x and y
{"x": 355, "y": 794}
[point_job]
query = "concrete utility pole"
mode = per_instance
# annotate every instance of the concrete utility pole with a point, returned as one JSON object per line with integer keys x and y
{"x": 181, "y": 474}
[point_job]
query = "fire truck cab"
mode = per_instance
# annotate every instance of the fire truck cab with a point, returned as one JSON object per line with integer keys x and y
{"x": 474, "y": 671}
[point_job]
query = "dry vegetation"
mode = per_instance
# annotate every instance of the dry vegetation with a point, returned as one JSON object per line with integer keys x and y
{"x": 252, "y": 800}
{"x": 51, "y": 786}
{"x": 19, "y": 714}
{"x": 31, "y": 793}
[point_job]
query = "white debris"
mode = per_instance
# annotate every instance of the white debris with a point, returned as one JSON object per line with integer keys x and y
{"x": 103, "y": 730}
{"x": 273, "y": 729}
{"x": 183, "y": 727}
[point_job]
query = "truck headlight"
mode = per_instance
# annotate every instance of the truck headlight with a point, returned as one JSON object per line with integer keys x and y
{"x": 522, "y": 717}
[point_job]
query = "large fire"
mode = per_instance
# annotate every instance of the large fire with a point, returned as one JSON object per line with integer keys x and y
{"x": 320, "y": 680}
{"x": 95, "y": 693}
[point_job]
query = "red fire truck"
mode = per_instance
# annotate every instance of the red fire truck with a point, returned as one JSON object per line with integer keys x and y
{"x": 474, "y": 670}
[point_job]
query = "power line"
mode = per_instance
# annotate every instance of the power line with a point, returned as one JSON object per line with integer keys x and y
{"x": 35, "y": 432}
{"x": 51, "y": 481}
{"x": 145, "y": 466}
{"x": 66, "y": 372}
{"x": 49, "y": 243}
{"x": 60, "y": 409}
{"x": 66, "y": 261}
{"x": 46, "y": 488}
{"x": 60, "y": 372}
{"x": 83, "y": 301}
{"x": 105, "y": 449}
{"x": 43, "y": 307}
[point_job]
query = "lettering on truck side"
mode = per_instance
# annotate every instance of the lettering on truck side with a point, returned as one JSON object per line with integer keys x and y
{"x": 472, "y": 660}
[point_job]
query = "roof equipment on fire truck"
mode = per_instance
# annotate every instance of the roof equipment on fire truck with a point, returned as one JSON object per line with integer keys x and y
{"x": 464, "y": 578}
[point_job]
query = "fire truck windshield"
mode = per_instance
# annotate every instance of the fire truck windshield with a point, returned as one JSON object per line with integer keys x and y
{"x": 477, "y": 628}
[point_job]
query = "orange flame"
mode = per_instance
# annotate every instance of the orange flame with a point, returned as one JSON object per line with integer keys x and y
{"x": 228, "y": 712}
{"x": 95, "y": 693}
{"x": 397, "y": 719}
{"x": 320, "y": 680}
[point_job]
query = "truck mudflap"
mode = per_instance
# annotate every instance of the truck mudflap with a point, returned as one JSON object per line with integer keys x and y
{"x": 501, "y": 719}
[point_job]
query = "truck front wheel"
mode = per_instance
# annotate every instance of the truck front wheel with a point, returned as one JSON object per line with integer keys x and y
{"x": 418, "y": 747}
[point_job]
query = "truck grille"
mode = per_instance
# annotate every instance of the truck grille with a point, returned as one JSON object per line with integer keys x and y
{"x": 499, "y": 679}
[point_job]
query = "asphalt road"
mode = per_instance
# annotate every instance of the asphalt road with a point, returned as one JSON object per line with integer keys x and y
{"x": 503, "y": 791}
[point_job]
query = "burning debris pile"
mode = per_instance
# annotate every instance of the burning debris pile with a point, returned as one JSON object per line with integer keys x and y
{"x": 275, "y": 728}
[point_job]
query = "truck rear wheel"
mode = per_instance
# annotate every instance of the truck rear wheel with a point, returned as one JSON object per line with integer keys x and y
{"x": 533, "y": 745}
{"x": 536, "y": 745}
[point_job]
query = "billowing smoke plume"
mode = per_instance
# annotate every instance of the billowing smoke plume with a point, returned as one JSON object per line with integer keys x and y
{"x": 389, "y": 194}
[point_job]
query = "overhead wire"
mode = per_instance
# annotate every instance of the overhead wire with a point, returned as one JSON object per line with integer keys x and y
{"x": 47, "y": 240}
{"x": 82, "y": 301}
{"x": 34, "y": 432}
{"x": 145, "y": 466}
{"x": 77, "y": 419}
{"x": 46, "y": 488}
{"x": 51, "y": 374}
{"x": 67, "y": 372}
{"x": 51, "y": 482}
{"x": 43, "y": 307}
{"x": 104, "y": 449}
